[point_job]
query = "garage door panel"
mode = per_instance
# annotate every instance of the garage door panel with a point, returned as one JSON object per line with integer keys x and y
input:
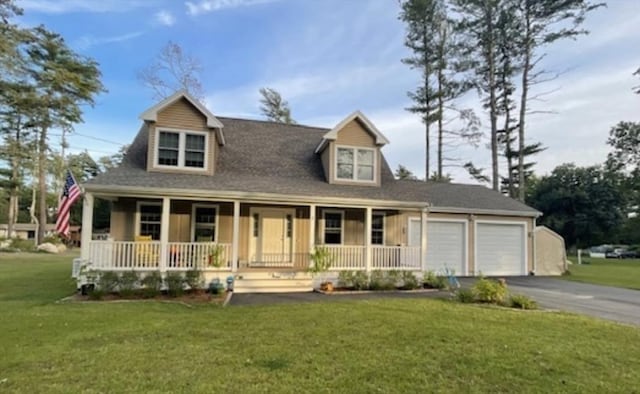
{"x": 446, "y": 246}
{"x": 500, "y": 249}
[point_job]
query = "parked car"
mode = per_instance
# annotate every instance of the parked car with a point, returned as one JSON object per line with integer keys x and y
{"x": 613, "y": 254}
{"x": 621, "y": 254}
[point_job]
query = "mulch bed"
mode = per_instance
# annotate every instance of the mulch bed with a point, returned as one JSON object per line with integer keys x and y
{"x": 198, "y": 297}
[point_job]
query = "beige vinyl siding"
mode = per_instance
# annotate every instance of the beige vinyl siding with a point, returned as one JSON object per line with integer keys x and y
{"x": 354, "y": 134}
{"x": 325, "y": 157}
{"x": 181, "y": 115}
{"x": 122, "y": 225}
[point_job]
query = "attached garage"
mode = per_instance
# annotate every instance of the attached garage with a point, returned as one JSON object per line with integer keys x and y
{"x": 500, "y": 248}
{"x": 447, "y": 246}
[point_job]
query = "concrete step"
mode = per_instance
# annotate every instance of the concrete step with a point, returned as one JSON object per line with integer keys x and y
{"x": 298, "y": 275}
{"x": 267, "y": 283}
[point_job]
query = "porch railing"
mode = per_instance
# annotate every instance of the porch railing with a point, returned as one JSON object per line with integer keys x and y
{"x": 131, "y": 255}
{"x": 201, "y": 255}
{"x": 124, "y": 254}
{"x": 347, "y": 257}
{"x": 395, "y": 258}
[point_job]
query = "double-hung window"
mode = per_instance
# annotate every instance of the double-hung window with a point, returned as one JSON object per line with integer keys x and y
{"x": 204, "y": 223}
{"x": 181, "y": 149}
{"x": 150, "y": 220}
{"x": 355, "y": 164}
{"x": 377, "y": 229}
{"x": 333, "y": 227}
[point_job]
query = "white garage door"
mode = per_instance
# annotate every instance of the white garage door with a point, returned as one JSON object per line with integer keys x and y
{"x": 446, "y": 247}
{"x": 500, "y": 249}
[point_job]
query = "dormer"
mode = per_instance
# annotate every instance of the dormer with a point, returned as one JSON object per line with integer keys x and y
{"x": 184, "y": 136}
{"x": 350, "y": 152}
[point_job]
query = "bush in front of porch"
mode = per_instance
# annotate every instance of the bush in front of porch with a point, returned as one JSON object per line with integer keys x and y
{"x": 135, "y": 284}
{"x": 378, "y": 280}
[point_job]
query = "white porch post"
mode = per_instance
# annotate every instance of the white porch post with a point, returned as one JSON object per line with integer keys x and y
{"x": 164, "y": 234}
{"x": 423, "y": 239}
{"x": 235, "y": 237}
{"x": 367, "y": 238}
{"x": 87, "y": 226}
{"x": 312, "y": 228}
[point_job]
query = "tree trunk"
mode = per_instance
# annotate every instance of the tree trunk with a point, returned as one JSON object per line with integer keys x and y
{"x": 441, "y": 64}
{"x": 490, "y": 54}
{"x": 523, "y": 104}
{"x": 42, "y": 185}
{"x": 427, "y": 99}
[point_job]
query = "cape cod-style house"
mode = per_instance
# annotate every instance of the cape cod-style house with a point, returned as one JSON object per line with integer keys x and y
{"x": 253, "y": 198}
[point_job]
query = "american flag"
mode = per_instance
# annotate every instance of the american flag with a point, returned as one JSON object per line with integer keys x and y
{"x": 70, "y": 193}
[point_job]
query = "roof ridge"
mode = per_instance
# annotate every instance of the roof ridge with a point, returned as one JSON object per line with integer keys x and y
{"x": 275, "y": 123}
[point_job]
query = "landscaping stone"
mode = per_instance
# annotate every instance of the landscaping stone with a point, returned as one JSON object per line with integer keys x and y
{"x": 61, "y": 248}
{"x": 48, "y": 247}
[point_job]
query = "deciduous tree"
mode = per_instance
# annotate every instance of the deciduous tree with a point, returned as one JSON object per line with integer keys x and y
{"x": 171, "y": 70}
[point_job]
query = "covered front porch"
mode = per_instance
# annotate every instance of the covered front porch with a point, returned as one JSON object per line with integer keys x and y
{"x": 177, "y": 234}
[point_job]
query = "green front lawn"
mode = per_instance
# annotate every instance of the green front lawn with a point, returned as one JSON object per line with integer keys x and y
{"x": 400, "y": 345}
{"x": 610, "y": 272}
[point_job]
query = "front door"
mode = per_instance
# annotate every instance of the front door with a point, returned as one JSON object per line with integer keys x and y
{"x": 272, "y": 237}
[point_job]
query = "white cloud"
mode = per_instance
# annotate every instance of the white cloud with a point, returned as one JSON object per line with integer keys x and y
{"x": 205, "y": 6}
{"x": 87, "y": 42}
{"x": 69, "y": 6}
{"x": 165, "y": 18}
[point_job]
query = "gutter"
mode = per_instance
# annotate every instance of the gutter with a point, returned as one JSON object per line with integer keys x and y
{"x": 137, "y": 191}
{"x": 497, "y": 212}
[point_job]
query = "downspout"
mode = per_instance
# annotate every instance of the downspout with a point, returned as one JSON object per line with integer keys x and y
{"x": 533, "y": 240}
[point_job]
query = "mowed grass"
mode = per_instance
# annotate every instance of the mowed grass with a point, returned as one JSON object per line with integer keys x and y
{"x": 390, "y": 346}
{"x": 610, "y": 272}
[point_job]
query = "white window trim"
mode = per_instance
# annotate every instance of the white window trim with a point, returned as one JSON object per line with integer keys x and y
{"x": 139, "y": 204}
{"x": 193, "y": 220}
{"x": 182, "y": 142}
{"x": 324, "y": 214}
{"x": 355, "y": 164}
{"x": 525, "y": 239}
{"x": 384, "y": 226}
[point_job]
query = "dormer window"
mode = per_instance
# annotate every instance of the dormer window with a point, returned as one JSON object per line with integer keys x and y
{"x": 355, "y": 164}
{"x": 181, "y": 149}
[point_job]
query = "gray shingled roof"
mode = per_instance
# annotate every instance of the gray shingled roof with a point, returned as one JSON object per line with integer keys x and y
{"x": 268, "y": 157}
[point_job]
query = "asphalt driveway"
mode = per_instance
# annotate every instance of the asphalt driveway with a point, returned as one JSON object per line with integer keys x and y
{"x": 611, "y": 303}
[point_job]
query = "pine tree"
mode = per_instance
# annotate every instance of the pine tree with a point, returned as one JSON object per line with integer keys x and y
{"x": 274, "y": 108}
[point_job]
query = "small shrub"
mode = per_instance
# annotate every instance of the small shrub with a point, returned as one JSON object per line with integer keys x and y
{"x": 522, "y": 302}
{"x": 175, "y": 284}
{"x": 108, "y": 281}
{"x": 152, "y": 284}
{"x": 381, "y": 280}
{"x": 23, "y": 245}
{"x": 52, "y": 239}
{"x": 409, "y": 281}
{"x": 465, "y": 296}
{"x": 345, "y": 279}
{"x": 433, "y": 281}
{"x": 566, "y": 273}
{"x": 128, "y": 283}
{"x": 393, "y": 278}
{"x": 96, "y": 294}
{"x": 489, "y": 291}
{"x": 193, "y": 279}
{"x": 360, "y": 280}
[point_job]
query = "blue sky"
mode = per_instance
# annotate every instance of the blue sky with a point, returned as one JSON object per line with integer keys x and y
{"x": 329, "y": 58}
